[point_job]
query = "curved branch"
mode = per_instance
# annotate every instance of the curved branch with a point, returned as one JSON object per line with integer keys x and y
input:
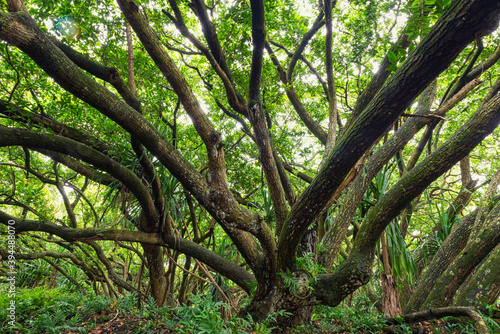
{"x": 436, "y": 313}
{"x": 102, "y": 257}
{"x": 483, "y": 66}
{"x": 395, "y": 143}
{"x": 303, "y": 44}
{"x": 40, "y": 255}
{"x": 210, "y": 34}
{"x": 292, "y": 95}
{"x": 376, "y": 82}
{"x": 462, "y": 80}
{"x": 20, "y": 30}
{"x": 331, "y": 289}
{"x": 302, "y": 176}
{"x": 80, "y": 195}
{"x": 235, "y": 99}
{"x": 13, "y": 202}
{"x": 108, "y": 74}
{"x": 15, "y": 137}
{"x": 485, "y": 120}
{"x": 226, "y": 268}
{"x": 308, "y": 64}
{"x": 31, "y": 171}
{"x": 22, "y": 115}
{"x": 79, "y": 167}
{"x": 112, "y": 76}
{"x": 219, "y": 197}
{"x": 216, "y": 58}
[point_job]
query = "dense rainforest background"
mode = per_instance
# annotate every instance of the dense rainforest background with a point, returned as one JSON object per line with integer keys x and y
{"x": 236, "y": 165}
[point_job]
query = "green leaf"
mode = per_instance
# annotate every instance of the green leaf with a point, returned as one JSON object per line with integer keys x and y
{"x": 392, "y": 57}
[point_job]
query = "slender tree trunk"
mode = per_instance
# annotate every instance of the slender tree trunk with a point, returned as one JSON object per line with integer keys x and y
{"x": 185, "y": 279}
{"x": 390, "y": 300}
{"x": 156, "y": 268}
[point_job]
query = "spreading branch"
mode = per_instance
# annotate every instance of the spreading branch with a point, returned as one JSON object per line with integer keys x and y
{"x": 421, "y": 67}
{"x": 226, "y": 268}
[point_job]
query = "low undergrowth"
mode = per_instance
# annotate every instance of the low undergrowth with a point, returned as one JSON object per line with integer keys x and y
{"x": 42, "y": 310}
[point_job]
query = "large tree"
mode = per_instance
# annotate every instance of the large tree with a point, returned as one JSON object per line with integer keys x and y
{"x": 267, "y": 87}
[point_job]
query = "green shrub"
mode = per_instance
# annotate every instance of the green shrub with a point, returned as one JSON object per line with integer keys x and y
{"x": 40, "y": 310}
{"x": 360, "y": 317}
{"x": 204, "y": 316}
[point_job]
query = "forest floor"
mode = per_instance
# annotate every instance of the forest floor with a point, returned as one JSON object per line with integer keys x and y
{"x": 110, "y": 321}
{"x": 41, "y": 310}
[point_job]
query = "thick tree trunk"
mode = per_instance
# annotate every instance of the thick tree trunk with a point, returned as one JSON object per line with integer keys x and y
{"x": 474, "y": 252}
{"x": 452, "y": 246}
{"x": 484, "y": 286}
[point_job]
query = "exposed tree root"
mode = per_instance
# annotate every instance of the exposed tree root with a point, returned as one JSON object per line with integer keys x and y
{"x": 454, "y": 311}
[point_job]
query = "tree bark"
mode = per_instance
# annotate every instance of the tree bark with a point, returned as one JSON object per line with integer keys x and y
{"x": 213, "y": 195}
{"x": 458, "y": 26}
{"x": 474, "y": 252}
{"x": 226, "y": 268}
{"x": 452, "y": 246}
{"x": 390, "y": 300}
{"x": 446, "y": 312}
{"x": 483, "y": 288}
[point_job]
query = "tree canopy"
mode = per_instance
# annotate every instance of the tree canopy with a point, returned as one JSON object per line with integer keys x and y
{"x": 294, "y": 150}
